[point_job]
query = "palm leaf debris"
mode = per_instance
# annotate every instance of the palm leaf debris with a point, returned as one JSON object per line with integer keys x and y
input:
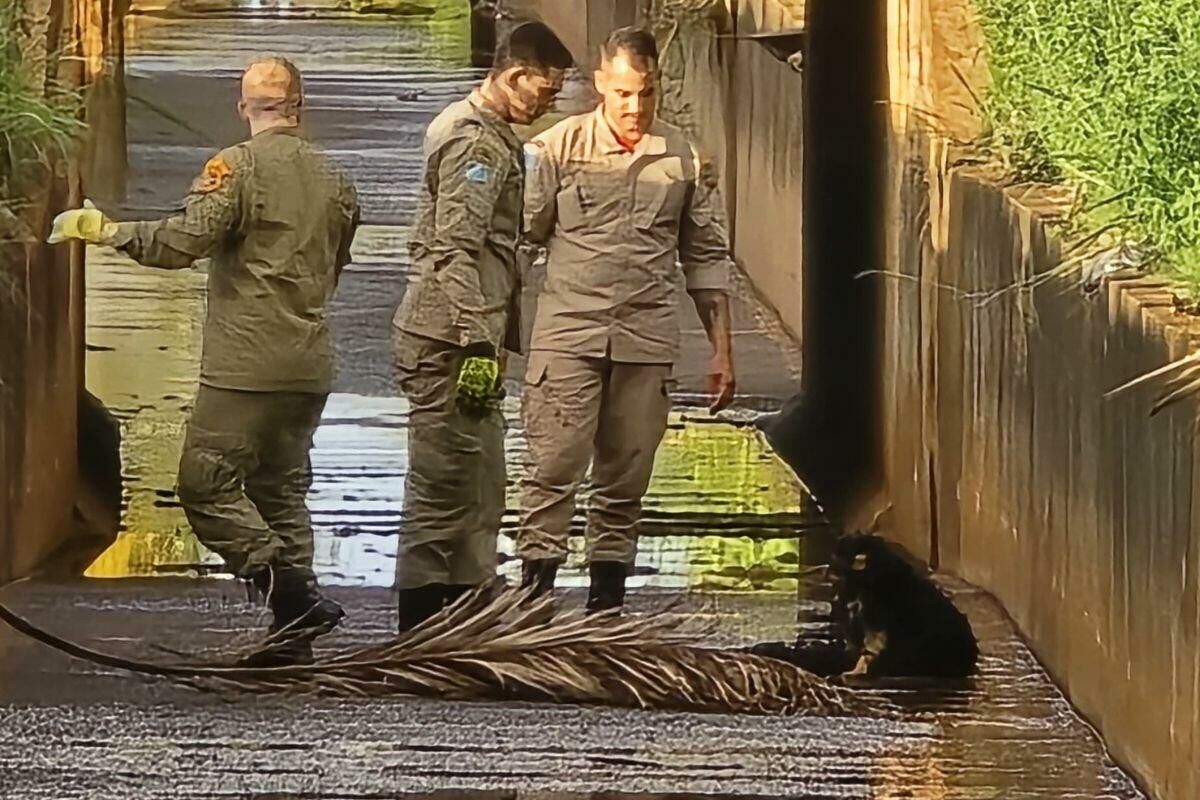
{"x": 509, "y": 646}
{"x": 1178, "y": 381}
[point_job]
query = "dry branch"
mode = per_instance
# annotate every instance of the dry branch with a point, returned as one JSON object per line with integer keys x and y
{"x": 512, "y": 647}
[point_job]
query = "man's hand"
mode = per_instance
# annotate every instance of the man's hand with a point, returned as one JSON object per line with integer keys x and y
{"x": 713, "y": 307}
{"x": 721, "y": 383}
{"x": 88, "y": 224}
{"x": 478, "y": 389}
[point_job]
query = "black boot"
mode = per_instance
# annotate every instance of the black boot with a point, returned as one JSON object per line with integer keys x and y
{"x": 297, "y": 601}
{"x": 540, "y": 574}
{"x": 607, "y": 588}
{"x": 419, "y": 604}
{"x": 301, "y": 613}
{"x": 456, "y": 590}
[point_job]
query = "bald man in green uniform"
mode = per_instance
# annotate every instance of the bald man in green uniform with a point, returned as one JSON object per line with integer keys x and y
{"x": 277, "y": 221}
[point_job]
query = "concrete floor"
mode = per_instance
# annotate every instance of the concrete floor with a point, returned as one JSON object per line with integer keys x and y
{"x": 69, "y": 729}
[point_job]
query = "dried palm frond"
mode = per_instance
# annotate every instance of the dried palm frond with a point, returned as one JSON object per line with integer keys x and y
{"x": 513, "y": 647}
{"x": 1184, "y": 382}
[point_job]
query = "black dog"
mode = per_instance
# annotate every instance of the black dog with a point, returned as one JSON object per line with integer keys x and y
{"x": 889, "y": 619}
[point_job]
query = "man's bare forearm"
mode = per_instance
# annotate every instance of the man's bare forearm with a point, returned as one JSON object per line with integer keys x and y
{"x": 713, "y": 307}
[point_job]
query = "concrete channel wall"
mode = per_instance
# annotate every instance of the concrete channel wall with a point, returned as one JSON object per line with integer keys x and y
{"x": 59, "y": 460}
{"x": 742, "y": 105}
{"x": 41, "y": 360}
{"x": 1007, "y": 467}
{"x": 41, "y": 367}
{"x": 1003, "y": 461}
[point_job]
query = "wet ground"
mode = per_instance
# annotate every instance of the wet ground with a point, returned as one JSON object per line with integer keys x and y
{"x": 72, "y": 730}
{"x": 727, "y": 531}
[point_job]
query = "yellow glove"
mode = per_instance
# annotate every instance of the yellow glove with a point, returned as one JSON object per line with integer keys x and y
{"x": 479, "y": 389}
{"x": 87, "y": 223}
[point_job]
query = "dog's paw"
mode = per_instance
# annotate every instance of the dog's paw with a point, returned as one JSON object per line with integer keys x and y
{"x": 854, "y": 680}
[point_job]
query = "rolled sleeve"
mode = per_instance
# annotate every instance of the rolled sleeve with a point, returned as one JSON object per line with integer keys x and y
{"x": 704, "y": 234}
{"x": 541, "y": 191}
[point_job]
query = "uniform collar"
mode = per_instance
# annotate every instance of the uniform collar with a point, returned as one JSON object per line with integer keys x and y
{"x": 652, "y": 144}
{"x": 281, "y": 130}
{"x": 491, "y": 117}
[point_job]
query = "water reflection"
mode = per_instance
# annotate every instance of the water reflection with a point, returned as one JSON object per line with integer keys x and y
{"x": 894, "y": 778}
{"x": 706, "y": 474}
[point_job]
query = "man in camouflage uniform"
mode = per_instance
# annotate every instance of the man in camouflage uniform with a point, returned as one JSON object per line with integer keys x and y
{"x": 621, "y": 201}
{"x": 457, "y": 318}
{"x": 277, "y": 220}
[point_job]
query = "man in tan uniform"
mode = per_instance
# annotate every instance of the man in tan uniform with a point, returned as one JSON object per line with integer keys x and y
{"x": 277, "y": 220}
{"x": 455, "y": 321}
{"x": 617, "y": 197}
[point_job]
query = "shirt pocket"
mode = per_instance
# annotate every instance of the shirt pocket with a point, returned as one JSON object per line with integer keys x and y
{"x": 272, "y": 235}
{"x": 657, "y": 202}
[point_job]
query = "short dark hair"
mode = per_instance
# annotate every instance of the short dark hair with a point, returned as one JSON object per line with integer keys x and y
{"x": 635, "y": 42}
{"x": 534, "y": 46}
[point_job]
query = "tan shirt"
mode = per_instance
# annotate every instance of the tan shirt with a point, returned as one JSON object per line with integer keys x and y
{"x": 617, "y": 226}
{"x": 277, "y": 219}
{"x": 464, "y": 239}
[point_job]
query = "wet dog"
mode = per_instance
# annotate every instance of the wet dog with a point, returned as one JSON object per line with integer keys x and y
{"x": 888, "y": 617}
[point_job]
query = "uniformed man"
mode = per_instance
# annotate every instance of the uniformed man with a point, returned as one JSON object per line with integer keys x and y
{"x": 456, "y": 320}
{"x": 277, "y": 220}
{"x": 620, "y": 199}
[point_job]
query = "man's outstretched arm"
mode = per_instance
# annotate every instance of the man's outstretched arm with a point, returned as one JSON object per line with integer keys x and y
{"x": 210, "y": 215}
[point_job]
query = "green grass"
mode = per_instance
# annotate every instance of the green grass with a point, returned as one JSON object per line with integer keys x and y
{"x": 1105, "y": 93}
{"x": 34, "y": 127}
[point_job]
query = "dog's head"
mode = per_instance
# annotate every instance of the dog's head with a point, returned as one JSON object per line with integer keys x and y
{"x": 865, "y": 558}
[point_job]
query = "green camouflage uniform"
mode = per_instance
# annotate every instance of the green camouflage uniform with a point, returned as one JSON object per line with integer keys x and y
{"x": 277, "y": 221}
{"x": 467, "y": 292}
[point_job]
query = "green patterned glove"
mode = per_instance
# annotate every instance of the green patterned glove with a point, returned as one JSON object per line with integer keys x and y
{"x": 479, "y": 386}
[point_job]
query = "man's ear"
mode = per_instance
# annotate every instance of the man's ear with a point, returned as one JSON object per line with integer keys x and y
{"x": 599, "y": 80}
{"x": 511, "y": 76}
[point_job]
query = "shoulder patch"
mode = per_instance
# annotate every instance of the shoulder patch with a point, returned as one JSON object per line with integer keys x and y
{"x": 477, "y": 172}
{"x": 215, "y": 174}
{"x": 533, "y": 156}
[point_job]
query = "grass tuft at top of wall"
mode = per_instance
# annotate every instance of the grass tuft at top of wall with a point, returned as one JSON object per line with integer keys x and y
{"x": 34, "y": 125}
{"x": 1105, "y": 93}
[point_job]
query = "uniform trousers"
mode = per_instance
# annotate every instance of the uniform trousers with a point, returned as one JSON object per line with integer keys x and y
{"x": 244, "y": 475}
{"x": 578, "y": 411}
{"x": 454, "y": 490}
